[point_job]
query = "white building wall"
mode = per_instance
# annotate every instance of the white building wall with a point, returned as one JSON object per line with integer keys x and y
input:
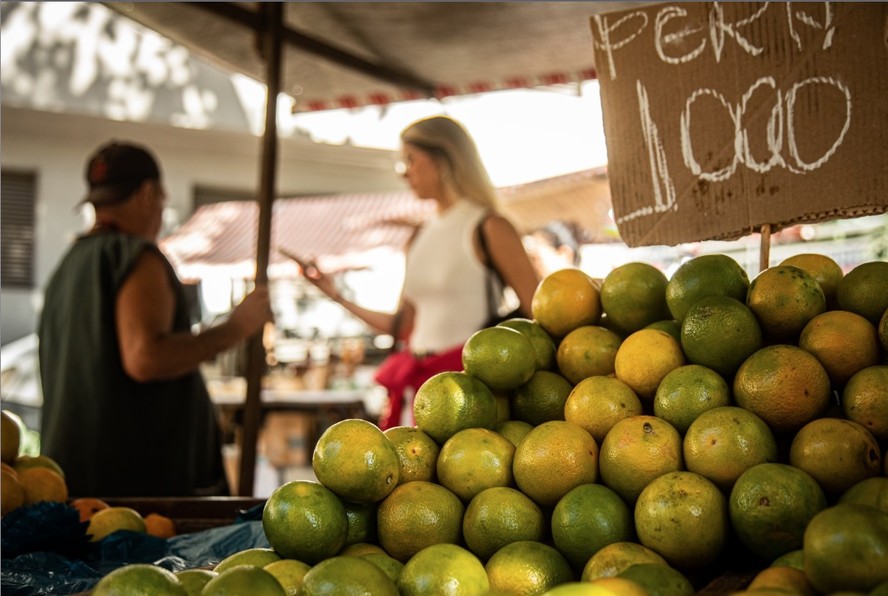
{"x": 56, "y": 146}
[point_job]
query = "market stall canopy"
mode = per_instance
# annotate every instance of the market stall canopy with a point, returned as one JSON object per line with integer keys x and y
{"x": 348, "y": 54}
{"x": 346, "y": 231}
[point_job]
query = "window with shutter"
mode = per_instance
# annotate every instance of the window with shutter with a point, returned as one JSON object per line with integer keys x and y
{"x": 17, "y": 191}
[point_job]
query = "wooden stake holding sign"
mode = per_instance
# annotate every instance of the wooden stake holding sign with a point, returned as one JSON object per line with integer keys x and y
{"x": 765, "y": 248}
{"x": 723, "y": 119}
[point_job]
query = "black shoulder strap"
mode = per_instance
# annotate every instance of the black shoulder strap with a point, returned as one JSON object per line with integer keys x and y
{"x": 489, "y": 266}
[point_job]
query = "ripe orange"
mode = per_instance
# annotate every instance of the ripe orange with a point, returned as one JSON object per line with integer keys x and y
{"x": 347, "y": 575}
{"x": 452, "y": 401}
{"x": 390, "y": 565}
{"x": 822, "y": 268}
{"x": 553, "y": 458}
{"x": 597, "y": 403}
{"x": 865, "y": 400}
{"x": 527, "y": 567}
{"x": 88, "y": 506}
{"x": 514, "y": 430}
{"x": 644, "y": 358}
{"x": 541, "y": 399}
{"x": 13, "y": 495}
{"x": 782, "y": 579}
{"x": 838, "y": 453}
{"x": 871, "y": 491}
{"x": 587, "y": 519}
{"x": 159, "y": 525}
{"x": 304, "y": 520}
{"x": 443, "y": 569}
{"x": 706, "y": 275}
{"x": 846, "y": 548}
{"x": 23, "y": 462}
{"x": 499, "y": 516}
{"x": 684, "y": 517}
{"x": 500, "y": 357}
{"x": 540, "y": 340}
{"x": 687, "y": 392}
{"x": 883, "y": 332}
{"x": 720, "y": 332}
{"x": 864, "y": 290}
{"x": 565, "y": 300}
{"x": 356, "y": 461}
{"x": 587, "y": 351}
{"x": 416, "y": 515}
{"x": 784, "y": 299}
{"x": 725, "y": 442}
{"x": 637, "y": 450}
{"x": 139, "y": 578}
{"x": 784, "y": 385}
{"x": 770, "y": 506}
{"x": 42, "y": 484}
{"x": 110, "y": 520}
{"x": 257, "y": 557}
{"x": 615, "y": 558}
{"x": 633, "y": 296}
{"x": 193, "y": 580}
{"x": 417, "y": 453}
{"x": 10, "y": 438}
{"x": 659, "y": 579}
{"x": 475, "y": 459}
{"x": 843, "y": 342}
{"x": 242, "y": 579}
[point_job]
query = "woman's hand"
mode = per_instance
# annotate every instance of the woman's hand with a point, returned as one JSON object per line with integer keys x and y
{"x": 312, "y": 273}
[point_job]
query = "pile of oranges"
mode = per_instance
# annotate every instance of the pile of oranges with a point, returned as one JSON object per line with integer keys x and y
{"x": 641, "y": 435}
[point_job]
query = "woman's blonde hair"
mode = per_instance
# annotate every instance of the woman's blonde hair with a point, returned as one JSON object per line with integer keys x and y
{"x": 453, "y": 148}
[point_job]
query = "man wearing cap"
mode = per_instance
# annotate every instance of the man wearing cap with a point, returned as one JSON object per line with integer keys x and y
{"x": 126, "y": 411}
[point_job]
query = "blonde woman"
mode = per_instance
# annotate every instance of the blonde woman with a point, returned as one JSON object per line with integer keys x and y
{"x": 445, "y": 296}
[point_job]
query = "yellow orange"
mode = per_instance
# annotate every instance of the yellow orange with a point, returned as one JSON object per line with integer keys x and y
{"x": 452, "y": 401}
{"x": 644, "y": 358}
{"x": 838, "y": 453}
{"x": 443, "y": 569}
{"x": 110, "y": 520}
{"x": 587, "y": 351}
{"x": 684, "y": 517}
{"x": 514, "y": 430}
{"x": 527, "y": 567}
{"x": 822, "y": 268}
{"x": 865, "y": 400}
{"x": 724, "y": 442}
{"x": 256, "y": 557}
{"x": 615, "y": 558}
{"x": 784, "y": 299}
{"x": 788, "y": 579}
{"x": 475, "y": 459}
{"x": 499, "y": 516}
{"x": 13, "y": 495}
{"x": 554, "y": 445}
{"x": 637, "y": 450}
{"x": 356, "y": 461}
{"x": 843, "y": 342}
{"x": 289, "y": 573}
{"x": 597, "y": 403}
{"x": 783, "y": 385}
{"x": 417, "y": 453}
{"x": 42, "y": 484}
{"x": 417, "y": 515}
{"x": 565, "y": 300}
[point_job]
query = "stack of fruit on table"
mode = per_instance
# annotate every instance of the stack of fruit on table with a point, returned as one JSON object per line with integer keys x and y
{"x": 641, "y": 435}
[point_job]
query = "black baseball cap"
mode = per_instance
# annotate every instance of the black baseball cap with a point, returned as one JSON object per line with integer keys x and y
{"x": 116, "y": 171}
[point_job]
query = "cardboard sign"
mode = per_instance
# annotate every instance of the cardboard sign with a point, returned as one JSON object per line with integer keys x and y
{"x": 723, "y": 117}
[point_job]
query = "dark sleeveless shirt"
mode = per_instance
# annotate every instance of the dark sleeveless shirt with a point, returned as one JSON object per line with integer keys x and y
{"x": 112, "y": 435}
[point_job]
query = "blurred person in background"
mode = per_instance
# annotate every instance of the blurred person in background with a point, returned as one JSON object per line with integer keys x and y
{"x": 554, "y": 246}
{"x": 445, "y": 295}
{"x": 126, "y": 411}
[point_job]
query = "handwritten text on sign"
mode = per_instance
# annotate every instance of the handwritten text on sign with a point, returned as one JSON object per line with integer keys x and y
{"x": 723, "y": 92}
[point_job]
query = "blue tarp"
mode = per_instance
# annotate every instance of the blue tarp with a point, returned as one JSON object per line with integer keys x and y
{"x": 45, "y": 549}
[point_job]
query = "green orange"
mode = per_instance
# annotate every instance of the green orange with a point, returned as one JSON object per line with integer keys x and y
{"x": 443, "y": 569}
{"x": 720, "y": 332}
{"x": 499, "y": 516}
{"x": 541, "y": 398}
{"x": 452, "y": 401}
{"x": 633, "y": 295}
{"x": 784, "y": 299}
{"x": 139, "y": 579}
{"x": 540, "y": 340}
{"x": 475, "y": 459}
{"x": 499, "y": 357}
{"x": 417, "y": 453}
{"x": 527, "y": 567}
{"x": 587, "y": 351}
{"x": 864, "y": 290}
{"x": 417, "y": 515}
{"x": 705, "y": 275}
{"x": 304, "y": 520}
{"x": 347, "y": 575}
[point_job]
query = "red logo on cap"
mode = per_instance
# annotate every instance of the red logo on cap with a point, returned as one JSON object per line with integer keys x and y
{"x": 98, "y": 172}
